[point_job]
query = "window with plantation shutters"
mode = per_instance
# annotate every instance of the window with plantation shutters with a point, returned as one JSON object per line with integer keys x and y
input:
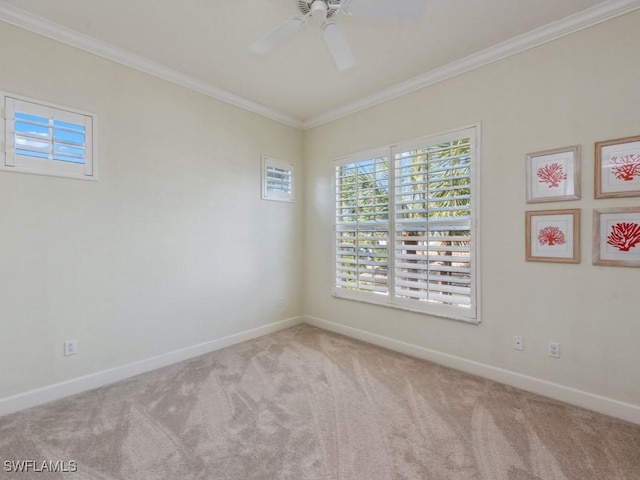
{"x": 362, "y": 225}
{"x": 405, "y": 232}
{"x": 277, "y": 180}
{"x": 433, "y": 223}
{"x": 47, "y": 139}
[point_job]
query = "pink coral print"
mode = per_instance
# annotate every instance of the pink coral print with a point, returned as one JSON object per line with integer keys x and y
{"x": 624, "y": 236}
{"x": 551, "y": 236}
{"x": 552, "y": 174}
{"x": 626, "y": 167}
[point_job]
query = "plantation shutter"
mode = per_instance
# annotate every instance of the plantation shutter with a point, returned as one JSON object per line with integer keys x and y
{"x": 433, "y": 224}
{"x": 42, "y": 138}
{"x": 405, "y": 226}
{"x": 277, "y": 179}
{"x": 362, "y": 226}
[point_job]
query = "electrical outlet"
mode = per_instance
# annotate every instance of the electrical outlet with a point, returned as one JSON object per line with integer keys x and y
{"x": 280, "y": 302}
{"x": 70, "y": 347}
{"x": 518, "y": 342}
{"x": 554, "y": 349}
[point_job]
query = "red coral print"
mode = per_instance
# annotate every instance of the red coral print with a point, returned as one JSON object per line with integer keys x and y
{"x": 624, "y": 236}
{"x": 551, "y": 236}
{"x": 552, "y": 174}
{"x": 625, "y": 168}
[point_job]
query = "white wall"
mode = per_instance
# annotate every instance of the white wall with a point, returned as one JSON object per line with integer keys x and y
{"x": 577, "y": 90}
{"x": 171, "y": 248}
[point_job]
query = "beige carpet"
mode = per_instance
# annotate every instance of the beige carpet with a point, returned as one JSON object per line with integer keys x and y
{"x": 308, "y": 404}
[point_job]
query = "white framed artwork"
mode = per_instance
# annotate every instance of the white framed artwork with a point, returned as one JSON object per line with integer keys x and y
{"x": 553, "y": 236}
{"x": 553, "y": 175}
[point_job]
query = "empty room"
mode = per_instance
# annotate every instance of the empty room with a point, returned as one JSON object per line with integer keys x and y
{"x": 320, "y": 239}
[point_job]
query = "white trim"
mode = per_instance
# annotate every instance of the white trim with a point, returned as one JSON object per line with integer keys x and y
{"x": 580, "y": 398}
{"x": 42, "y": 26}
{"x": 94, "y": 380}
{"x": 605, "y": 405}
{"x": 566, "y": 26}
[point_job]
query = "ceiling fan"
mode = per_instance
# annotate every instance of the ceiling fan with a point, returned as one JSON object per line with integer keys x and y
{"x": 324, "y": 12}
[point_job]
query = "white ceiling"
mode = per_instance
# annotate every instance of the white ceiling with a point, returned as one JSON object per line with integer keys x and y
{"x": 208, "y": 41}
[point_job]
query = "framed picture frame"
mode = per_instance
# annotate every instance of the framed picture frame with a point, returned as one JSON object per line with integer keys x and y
{"x": 553, "y": 236}
{"x": 616, "y": 237}
{"x": 553, "y": 175}
{"x": 617, "y": 168}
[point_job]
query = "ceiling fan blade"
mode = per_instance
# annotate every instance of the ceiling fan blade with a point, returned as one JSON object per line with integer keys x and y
{"x": 338, "y": 46}
{"x": 279, "y": 35}
{"x": 394, "y": 9}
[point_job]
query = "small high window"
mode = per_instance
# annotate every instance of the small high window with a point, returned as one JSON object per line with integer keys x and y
{"x": 277, "y": 180}
{"x": 48, "y": 140}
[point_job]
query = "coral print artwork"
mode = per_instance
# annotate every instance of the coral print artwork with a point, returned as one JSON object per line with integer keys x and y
{"x": 553, "y": 175}
{"x": 624, "y": 236}
{"x": 625, "y": 167}
{"x": 617, "y": 237}
{"x": 617, "y": 164}
{"x": 553, "y": 236}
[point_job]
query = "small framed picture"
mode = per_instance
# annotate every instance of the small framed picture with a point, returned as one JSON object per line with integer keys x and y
{"x": 616, "y": 237}
{"x": 553, "y": 236}
{"x": 617, "y": 164}
{"x": 553, "y": 175}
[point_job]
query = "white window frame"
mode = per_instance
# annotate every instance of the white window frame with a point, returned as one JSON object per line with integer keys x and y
{"x": 268, "y": 165}
{"x": 15, "y": 162}
{"x": 470, "y": 314}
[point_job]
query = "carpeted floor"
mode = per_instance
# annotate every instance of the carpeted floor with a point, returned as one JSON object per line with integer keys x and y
{"x": 308, "y": 404}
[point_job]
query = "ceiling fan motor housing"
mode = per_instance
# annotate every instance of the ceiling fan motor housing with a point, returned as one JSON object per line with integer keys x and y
{"x": 319, "y": 9}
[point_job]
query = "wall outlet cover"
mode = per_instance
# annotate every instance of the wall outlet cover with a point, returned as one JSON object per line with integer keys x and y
{"x": 70, "y": 347}
{"x": 554, "y": 349}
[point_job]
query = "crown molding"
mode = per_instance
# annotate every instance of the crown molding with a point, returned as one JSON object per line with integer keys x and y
{"x": 571, "y": 24}
{"x": 568, "y": 25}
{"x": 47, "y": 28}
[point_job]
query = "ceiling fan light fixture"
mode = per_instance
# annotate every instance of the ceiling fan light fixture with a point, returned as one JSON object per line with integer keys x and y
{"x": 324, "y": 12}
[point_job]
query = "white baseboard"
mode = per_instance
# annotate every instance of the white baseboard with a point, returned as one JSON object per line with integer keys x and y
{"x": 88, "y": 382}
{"x": 607, "y": 406}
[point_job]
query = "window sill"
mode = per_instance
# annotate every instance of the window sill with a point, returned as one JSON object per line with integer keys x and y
{"x": 472, "y": 321}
